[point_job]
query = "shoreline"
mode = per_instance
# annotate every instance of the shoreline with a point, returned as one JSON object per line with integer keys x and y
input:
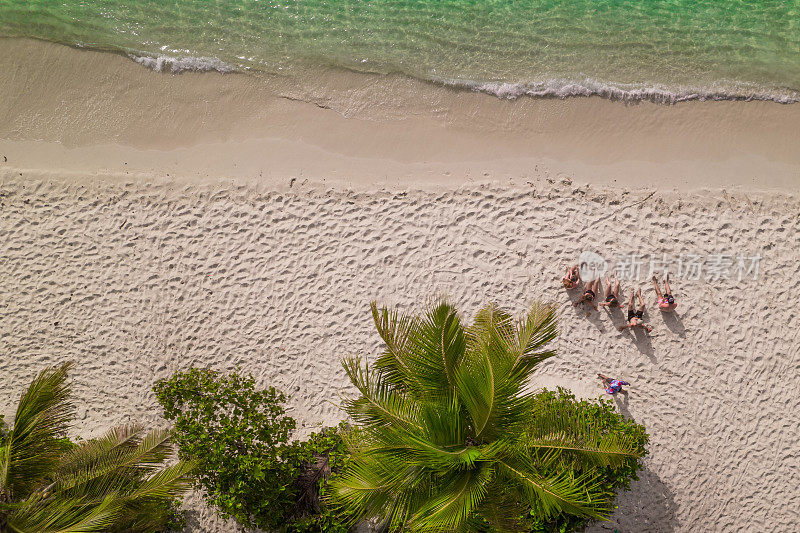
{"x": 154, "y": 222}
{"x": 74, "y": 111}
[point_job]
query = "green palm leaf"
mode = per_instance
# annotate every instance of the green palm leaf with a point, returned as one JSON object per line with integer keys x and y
{"x": 66, "y": 516}
{"x": 422, "y": 352}
{"x": 378, "y": 404}
{"x": 394, "y": 330}
{"x": 556, "y": 430}
{"x": 32, "y": 449}
{"x": 436, "y": 345}
{"x": 114, "y": 483}
{"x": 553, "y": 494}
{"x": 114, "y": 463}
{"x": 450, "y": 434}
{"x": 455, "y": 501}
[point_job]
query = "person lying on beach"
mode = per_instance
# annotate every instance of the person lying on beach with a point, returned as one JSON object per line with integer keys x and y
{"x": 589, "y": 294}
{"x": 635, "y": 319}
{"x": 665, "y": 301}
{"x": 612, "y": 386}
{"x": 572, "y": 277}
{"x": 611, "y": 293}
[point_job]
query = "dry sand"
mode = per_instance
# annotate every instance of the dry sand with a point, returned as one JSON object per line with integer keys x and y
{"x": 151, "y": 222}
{"x": 134, "y": 281}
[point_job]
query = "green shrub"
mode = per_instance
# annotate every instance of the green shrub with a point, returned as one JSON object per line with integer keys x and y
{"x": 602, "y": 415}
{"x": 321, "y": 457}
{"x": 247, "y": 467}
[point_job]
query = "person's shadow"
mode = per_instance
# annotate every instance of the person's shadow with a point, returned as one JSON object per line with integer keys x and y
{"x": 674, "y": 323}
{"x": 622, "y": 404}
{"x": 644, "y": 343}
{"x": 641, "y": 339}
{"x": 581, "y": 310}
{"x": 649, "y": 506}
{"x": 616, "y": 314}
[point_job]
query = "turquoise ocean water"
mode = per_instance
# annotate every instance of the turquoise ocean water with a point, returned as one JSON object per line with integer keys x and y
{"x": 665, "y": 50}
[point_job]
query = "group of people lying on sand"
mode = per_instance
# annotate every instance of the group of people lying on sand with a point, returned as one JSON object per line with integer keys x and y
{"x": 666, "y": 303}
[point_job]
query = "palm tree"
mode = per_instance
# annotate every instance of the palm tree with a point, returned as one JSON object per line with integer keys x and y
{"x": 114, "y": 483}
{"x": 445, "y": 440}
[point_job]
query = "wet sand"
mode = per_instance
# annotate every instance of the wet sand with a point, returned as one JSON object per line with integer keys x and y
{"x": 150, "y": 222}
{"x": 77, "y": 111}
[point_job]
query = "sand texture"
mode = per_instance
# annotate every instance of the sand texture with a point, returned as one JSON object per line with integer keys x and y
{"x": 133, "y": 281}
{"x": 86, "y": 111}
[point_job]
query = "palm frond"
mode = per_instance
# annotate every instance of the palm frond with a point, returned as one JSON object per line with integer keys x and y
{"x": 367, "y": 488}
{"x": 442, "y": 423}
{"x": 502, "y": 509}
{"x": 407, "y": 450}
{"x": 503, "y": 354}
{"x": 378, "y": 405}
{"x": 534, "y": 330}
{"x": 116, "y": 463}
{"x": 476, "y": 389}
{"x": 69, "y": 515}
{"x": 166, "y": 483}
{"x": 454, "y": 502}
{"x": 421, "y": 352}
{"x": 565, "y": 433}
{"x": 552, "y": 494}
{"x": 31, "y": 448}
{"x": 394, "y": 329}
{"x": 436, "y": 346}
{"x": 489, "y": 382}
{"x": 87, "y": 455}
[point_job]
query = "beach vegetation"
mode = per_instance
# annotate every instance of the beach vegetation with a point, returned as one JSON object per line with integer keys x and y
{"x": 451, "y": 437}
{"x": 611, "y": 477}
{"x": 248, "y": 468}
{"x": 115, "y": 483}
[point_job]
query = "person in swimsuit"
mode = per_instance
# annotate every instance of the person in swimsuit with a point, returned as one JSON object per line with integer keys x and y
{"x": 590, "y": 293}
{"x": 635, "y": 319}
{"x": 572, "y": 277}
{"x": 665, "y": 301}
{"x": 612, "y": 386}
{"x": 611, "y": 293}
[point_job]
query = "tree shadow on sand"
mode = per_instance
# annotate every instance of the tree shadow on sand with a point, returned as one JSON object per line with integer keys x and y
{"x": 649, "y": 507}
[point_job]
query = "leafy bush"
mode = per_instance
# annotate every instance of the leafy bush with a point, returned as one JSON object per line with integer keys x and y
{"x": 247, "y": 468}
{"x": 320, "y": 457}
{"x": 612, "y": 478}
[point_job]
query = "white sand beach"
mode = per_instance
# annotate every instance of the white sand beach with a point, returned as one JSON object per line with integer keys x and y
{"x": 136, "y": 280}
{"x": 261, "y": 247}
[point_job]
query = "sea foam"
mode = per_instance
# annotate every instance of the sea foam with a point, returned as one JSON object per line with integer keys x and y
{"x": 555, "y": 88}
{"x": 589, "y": 87}
{"x": 164, "y": 63}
